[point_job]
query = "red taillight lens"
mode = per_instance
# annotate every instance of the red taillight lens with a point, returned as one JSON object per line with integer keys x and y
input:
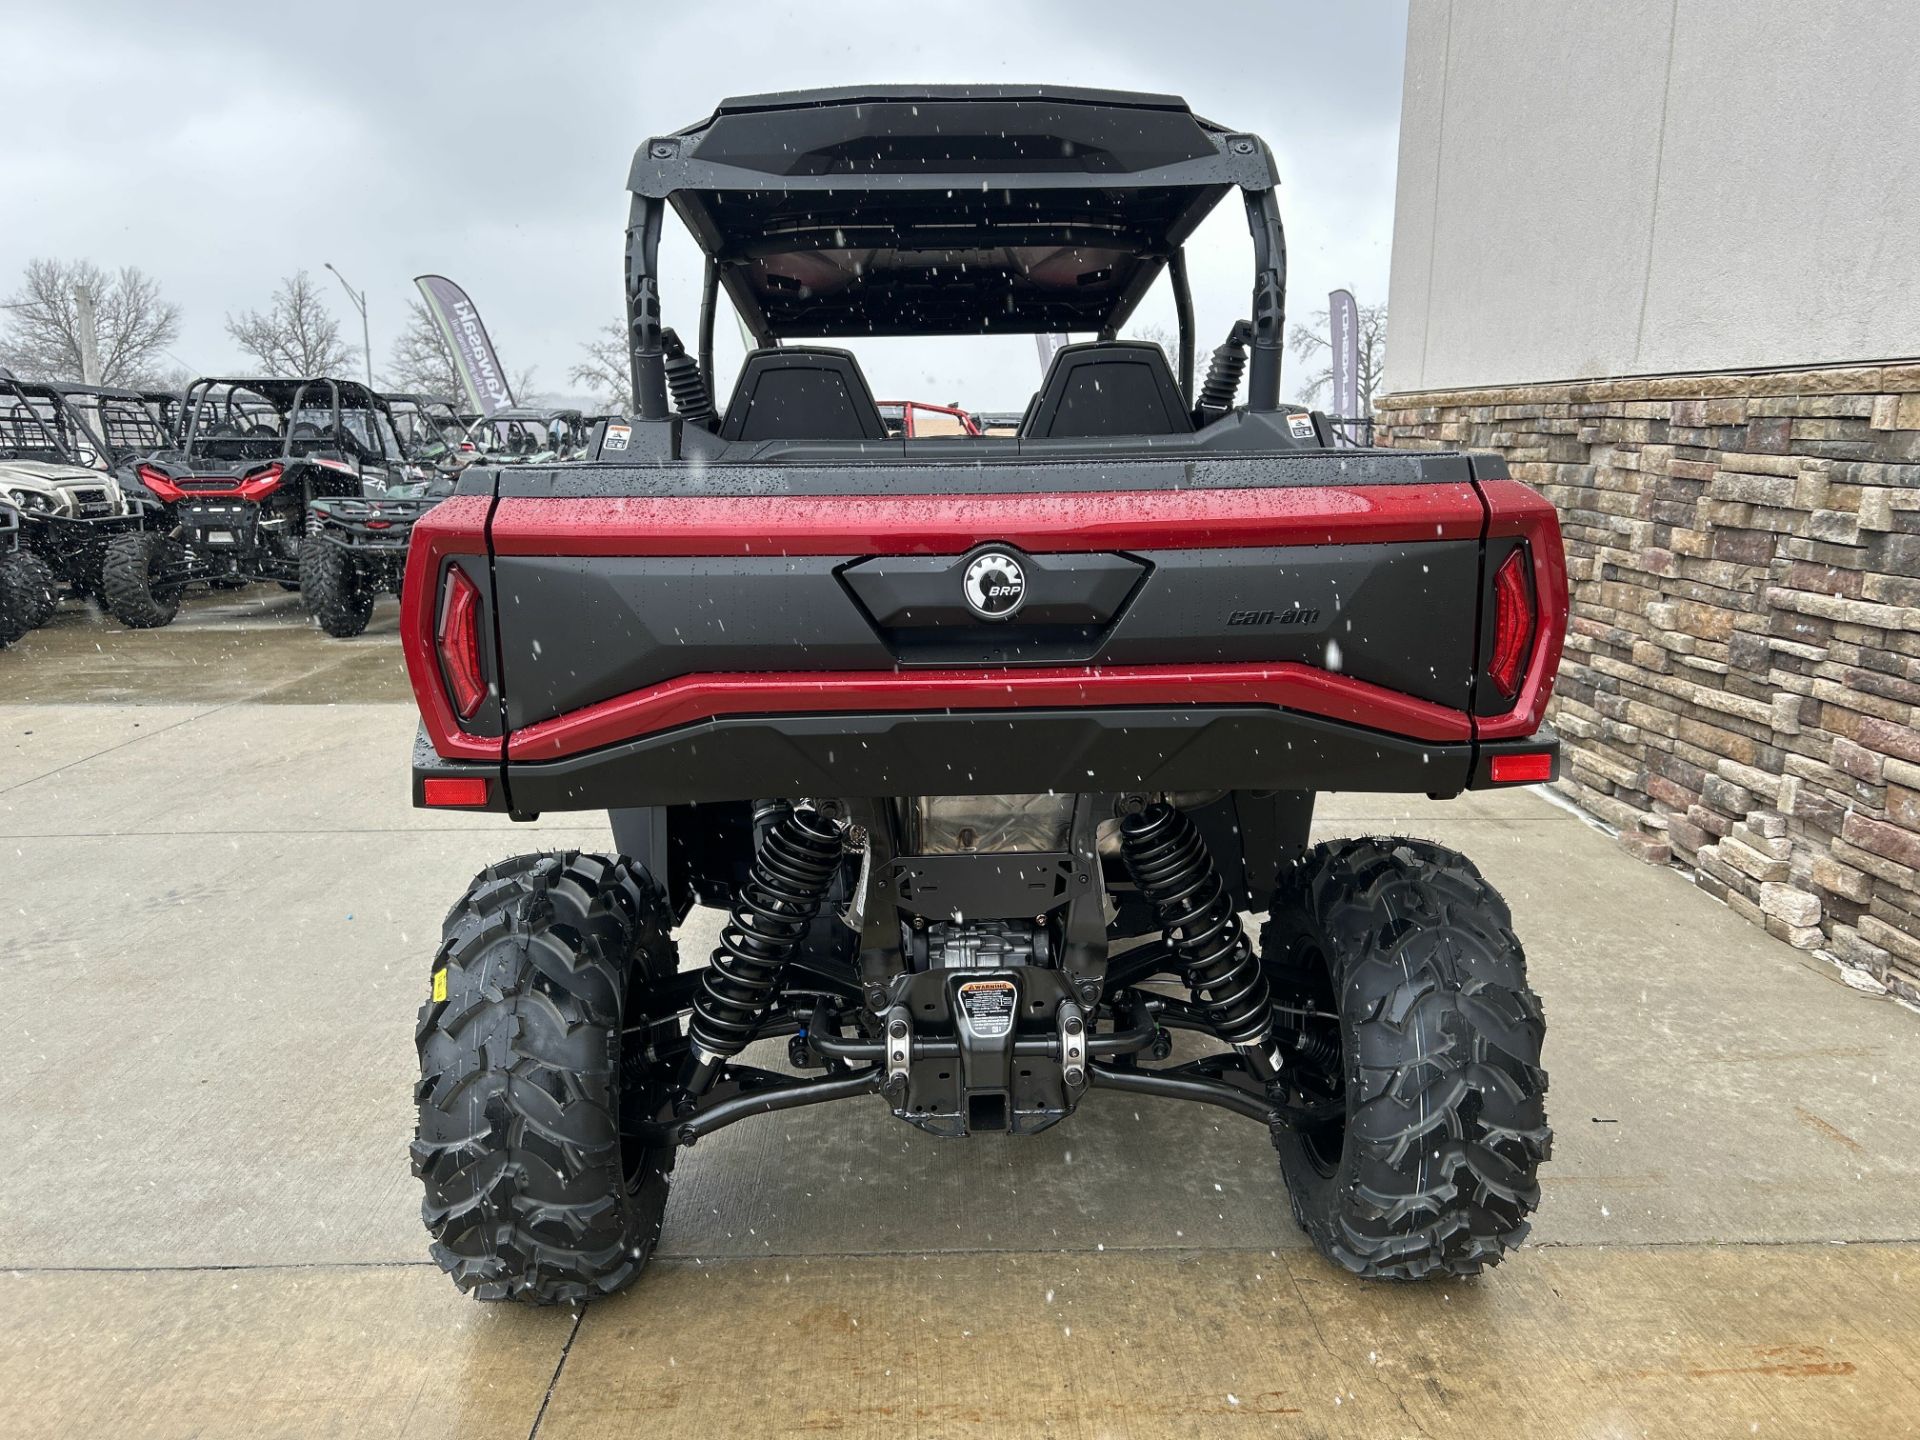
{"x": 158, "y": 482}
{"x": 1516, "y": 769}
{"x": 1512, "y": 623}
{"x": 459, "y": 643}
{"x": 257, "y": 484}
{"x": 454, "y": 790}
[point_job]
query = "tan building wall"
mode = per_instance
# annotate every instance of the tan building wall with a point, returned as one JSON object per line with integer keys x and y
{"x": 1654, "y": 186}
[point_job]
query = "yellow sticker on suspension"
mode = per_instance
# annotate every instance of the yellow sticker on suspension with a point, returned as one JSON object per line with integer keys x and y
{"x": 440, "y": 984}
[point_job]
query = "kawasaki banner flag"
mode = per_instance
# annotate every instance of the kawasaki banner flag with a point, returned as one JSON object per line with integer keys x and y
{"x": 480, "y": 373}
{"x": 1343, "y": 338}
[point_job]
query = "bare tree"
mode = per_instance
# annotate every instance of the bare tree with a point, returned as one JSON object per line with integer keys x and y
{"x": 49, "y": 337}
{"x": 297, "y": 336}
{"x": 422, "y": 361}
{"x": 1159, "y": 335}
{"x": 604, "y": 372}
{"x": 1309, "y": 343}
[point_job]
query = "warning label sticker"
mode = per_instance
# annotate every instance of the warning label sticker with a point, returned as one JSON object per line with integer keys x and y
{"x": 989, "y": 1005}
{"x": 1300, "y": 426}
{"x": 616, "y": 437}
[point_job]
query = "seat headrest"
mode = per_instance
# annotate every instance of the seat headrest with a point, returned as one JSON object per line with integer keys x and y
{"x": 801, "y": 393}
{"x": 1107, "y": 387}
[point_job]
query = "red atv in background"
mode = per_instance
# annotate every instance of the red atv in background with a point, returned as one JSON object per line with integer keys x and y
{"x": 919, "y": 420}
{"x": 985, "y": 748}
{"x": 233, "y": 498}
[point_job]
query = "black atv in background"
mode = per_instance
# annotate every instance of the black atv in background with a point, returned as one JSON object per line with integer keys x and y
{"x": 235, "y": 495}
{"x": 356, "y": 546}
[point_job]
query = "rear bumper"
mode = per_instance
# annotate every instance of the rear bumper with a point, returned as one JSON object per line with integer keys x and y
{"x": 390, "y": 544}
{"x": 1149, "y": 748}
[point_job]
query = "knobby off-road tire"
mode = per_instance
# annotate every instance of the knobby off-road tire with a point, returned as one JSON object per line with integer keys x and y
{"x": 531, "y": 1194}
{"x": 1433, "y": 1170}
{"x": 36, "y": 589}
{"x": 337, "y": 595}
{"x": 17, "y": 602}
{"x": 133, "y": 583}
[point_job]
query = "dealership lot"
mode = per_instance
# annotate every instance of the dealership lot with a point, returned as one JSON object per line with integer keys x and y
{"x": 220, "y": 911}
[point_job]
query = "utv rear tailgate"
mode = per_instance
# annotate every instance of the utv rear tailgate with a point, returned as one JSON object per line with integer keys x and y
{"x": 1323, "y": 635}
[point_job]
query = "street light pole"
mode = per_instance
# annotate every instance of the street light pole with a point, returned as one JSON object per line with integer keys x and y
{"x": 359, "y": 298}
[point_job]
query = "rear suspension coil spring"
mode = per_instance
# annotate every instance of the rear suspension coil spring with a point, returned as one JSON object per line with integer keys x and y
{"x": 791, "y": 873}
{"x": 1170, "y": 864}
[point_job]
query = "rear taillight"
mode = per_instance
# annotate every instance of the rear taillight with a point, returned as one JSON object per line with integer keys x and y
{"x": 458, "y": 642}
{"x": 159, "y": 482}
{"x": 1513, "y": 620}
{"x": 258, "y": 484}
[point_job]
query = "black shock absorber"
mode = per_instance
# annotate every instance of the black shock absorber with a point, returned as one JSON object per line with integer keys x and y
{"x": 687, "y": 385}
{"x": 1224, "y": 369}
{"x": 794, "y": 866}
{"x": 1170, "y": 865}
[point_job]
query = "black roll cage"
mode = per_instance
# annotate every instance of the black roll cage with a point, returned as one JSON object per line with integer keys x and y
{"x": 61, "y": 426}
{"x": 690, "y": 169}
{"x": 140, "y": 402}
{"x": 287, "y": 397}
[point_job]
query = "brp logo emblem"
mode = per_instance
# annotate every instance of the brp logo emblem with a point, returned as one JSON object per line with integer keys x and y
{"x": 995, "y": 586}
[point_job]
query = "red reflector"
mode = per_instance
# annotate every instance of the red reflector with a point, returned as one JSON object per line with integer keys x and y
{"x": 1512, "y": 623}
{"x": 459, "y": 643}
{"x": 1511, "y": 769}
{"x": 454, "y": 790}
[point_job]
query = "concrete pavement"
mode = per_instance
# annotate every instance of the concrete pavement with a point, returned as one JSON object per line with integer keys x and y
{"x": 220, "y": 910}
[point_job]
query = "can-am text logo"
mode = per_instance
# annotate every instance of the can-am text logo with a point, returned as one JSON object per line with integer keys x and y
{"x": 995, "y": 586}
{"x": 1295, "y": 616}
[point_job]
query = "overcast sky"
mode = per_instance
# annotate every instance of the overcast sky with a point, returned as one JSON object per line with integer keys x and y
{"x": 222, "y": 146}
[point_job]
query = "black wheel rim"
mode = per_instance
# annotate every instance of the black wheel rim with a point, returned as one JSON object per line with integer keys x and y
{"x": 162, "y": 583}
{"x": 648, "y": 1055}
{"x": 1325, "y": 1143}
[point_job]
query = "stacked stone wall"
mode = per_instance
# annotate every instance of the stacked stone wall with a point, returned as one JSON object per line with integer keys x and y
{"x": 1742, "y": 673}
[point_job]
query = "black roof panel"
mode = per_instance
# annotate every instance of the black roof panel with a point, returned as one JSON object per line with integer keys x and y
{"x": 894, "y": 210}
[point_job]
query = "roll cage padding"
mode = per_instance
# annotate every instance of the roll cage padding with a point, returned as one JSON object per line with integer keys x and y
{"x": 1107, "y": 387}
{"x": 796, "y": 393}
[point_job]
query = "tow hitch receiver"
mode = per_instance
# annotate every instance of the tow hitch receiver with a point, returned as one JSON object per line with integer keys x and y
{"x": 985, "y": 1008}
{"x": 983, "y": 1050}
